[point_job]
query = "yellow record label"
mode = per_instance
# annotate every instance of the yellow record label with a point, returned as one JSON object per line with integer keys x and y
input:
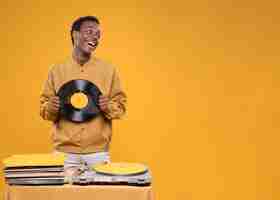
{"x": 120, "y": 168}
{"x": 79, "y": 100}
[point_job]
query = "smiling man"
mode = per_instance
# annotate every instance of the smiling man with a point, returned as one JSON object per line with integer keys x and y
{"x": 87, "y": 142}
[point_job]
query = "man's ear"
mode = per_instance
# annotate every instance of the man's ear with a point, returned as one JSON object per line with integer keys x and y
{"x": 76, "y": 37}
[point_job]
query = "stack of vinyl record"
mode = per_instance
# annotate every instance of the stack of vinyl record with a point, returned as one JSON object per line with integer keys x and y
{"x": 34, "y": 169}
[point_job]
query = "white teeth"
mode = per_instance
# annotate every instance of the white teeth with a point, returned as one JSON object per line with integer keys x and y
{"x": 91, "y": 44}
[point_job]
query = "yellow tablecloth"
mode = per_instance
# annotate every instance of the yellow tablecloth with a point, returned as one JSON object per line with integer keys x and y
{"x": 74, "y": 192}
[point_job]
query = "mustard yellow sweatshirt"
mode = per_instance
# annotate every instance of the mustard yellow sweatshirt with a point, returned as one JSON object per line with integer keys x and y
{"x": 94, "y": 135}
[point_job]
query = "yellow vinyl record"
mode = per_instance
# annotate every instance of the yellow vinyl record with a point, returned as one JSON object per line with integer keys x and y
{"x": 123, "y": 169}
{"x": 30, "y": 160}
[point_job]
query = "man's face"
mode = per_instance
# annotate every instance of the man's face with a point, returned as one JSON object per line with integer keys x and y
{"x": 88, "y": 37}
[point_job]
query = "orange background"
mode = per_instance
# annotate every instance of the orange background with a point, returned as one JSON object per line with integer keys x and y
{"x": 201, "y": 77}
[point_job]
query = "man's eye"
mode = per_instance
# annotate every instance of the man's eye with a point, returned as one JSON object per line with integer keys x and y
{"x": 86, "y": 31}
{"x": 91, "y": 32}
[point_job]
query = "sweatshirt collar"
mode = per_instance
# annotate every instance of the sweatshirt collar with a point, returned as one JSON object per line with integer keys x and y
{"x": 91, "y": 61}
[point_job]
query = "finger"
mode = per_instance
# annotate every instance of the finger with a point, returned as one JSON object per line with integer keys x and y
{"x": 55, "y": 104}
{"x": 104, "y": 99}
{"x": 56, "y": 107}
{"x": 103, "y": 103}
{"x": 103, "y": 108}
{"x": 55, "y": 100}
{"x": 103, "y": 96}
{"x": 54, "y": 110}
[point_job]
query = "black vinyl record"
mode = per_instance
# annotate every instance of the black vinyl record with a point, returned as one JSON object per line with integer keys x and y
{"x": 87, "y": 94}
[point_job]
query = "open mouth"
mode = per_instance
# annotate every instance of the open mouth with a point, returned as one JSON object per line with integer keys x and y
{"x": 92, "y": 44}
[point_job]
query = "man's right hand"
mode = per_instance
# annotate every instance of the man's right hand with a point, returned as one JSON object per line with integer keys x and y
{"x": 54, "y": 104}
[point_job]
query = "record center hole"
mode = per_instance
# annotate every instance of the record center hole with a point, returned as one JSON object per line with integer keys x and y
{"x": 79, "y": 100}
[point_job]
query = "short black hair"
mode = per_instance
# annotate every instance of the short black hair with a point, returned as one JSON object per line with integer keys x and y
{"x": 76, "y": 26}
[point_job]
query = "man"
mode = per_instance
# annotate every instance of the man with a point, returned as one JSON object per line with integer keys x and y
{"x": 87, "y": 142}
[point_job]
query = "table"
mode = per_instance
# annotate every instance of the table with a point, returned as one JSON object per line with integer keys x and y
{"x": 75, "y": 192}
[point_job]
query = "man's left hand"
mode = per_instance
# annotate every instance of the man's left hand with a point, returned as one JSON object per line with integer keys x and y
{"x": 103, "y": 102}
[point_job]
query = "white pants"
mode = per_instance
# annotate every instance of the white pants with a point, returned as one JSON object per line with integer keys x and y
{"x": 85, "y": 160}
{"x": 76, "y": 162}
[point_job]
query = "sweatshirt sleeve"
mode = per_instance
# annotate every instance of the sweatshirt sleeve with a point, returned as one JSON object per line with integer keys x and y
{"x": 47, "y": 92}
{"x": 118, "y": 99}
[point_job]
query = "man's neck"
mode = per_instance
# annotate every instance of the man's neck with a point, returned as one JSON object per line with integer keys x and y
{"x": 80, "y": 57}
